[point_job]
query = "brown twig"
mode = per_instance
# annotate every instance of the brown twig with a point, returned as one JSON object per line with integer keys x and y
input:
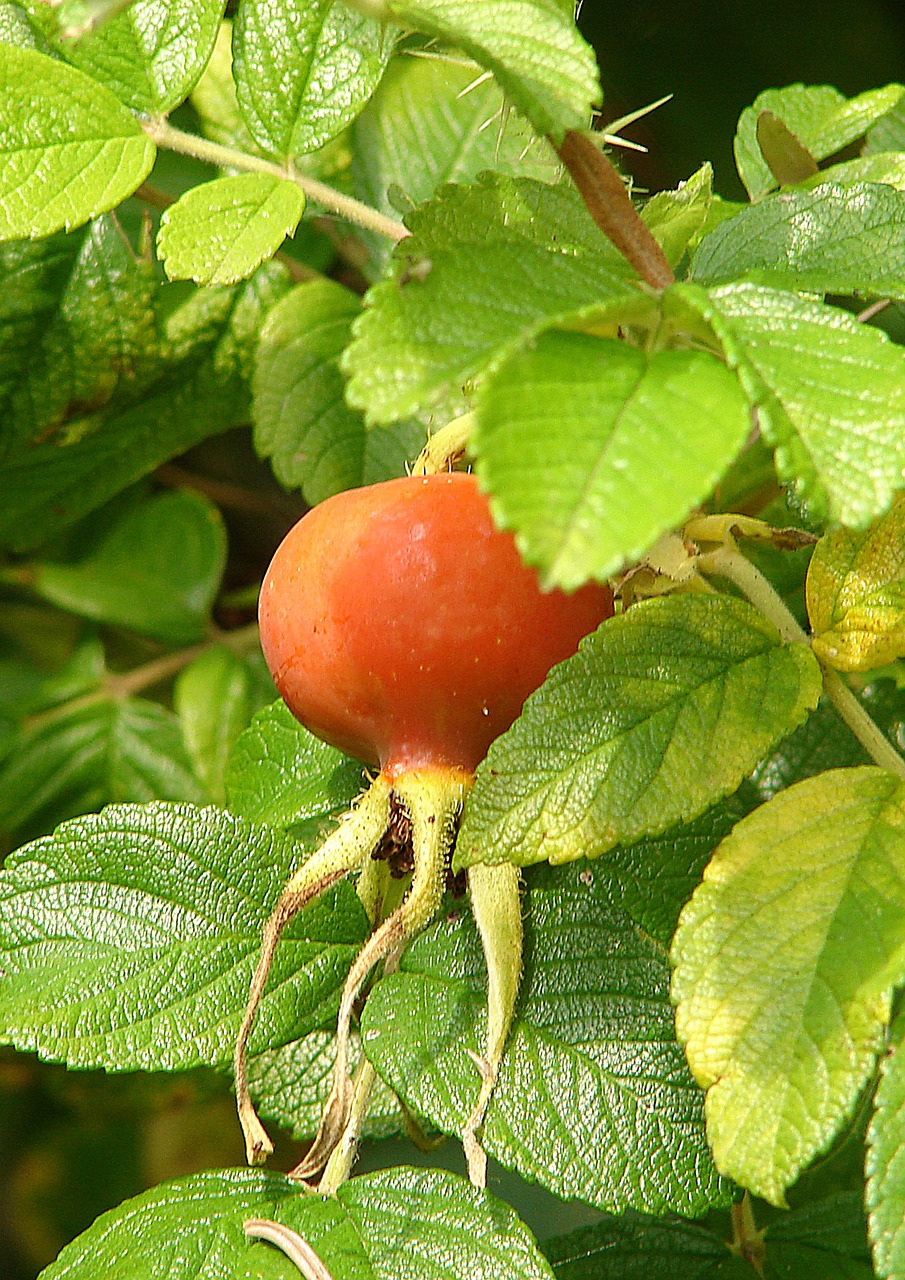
{"x": 608, "y": 203}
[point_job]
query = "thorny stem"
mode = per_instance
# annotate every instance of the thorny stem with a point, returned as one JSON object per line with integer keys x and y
{"x": 609, "y": 204}
{"x": 190, "y": 144}
{"x": 727, "y": 562}
{"x": 127, "y": 683}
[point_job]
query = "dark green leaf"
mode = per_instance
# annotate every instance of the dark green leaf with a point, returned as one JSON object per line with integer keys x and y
{"x": 279, "y": 773}
{"x": 157, "y": 570}
{"x": 87, "y": 756}
{"x": 591, "y": 449}
{"x": 636, "y": 1248}
{"x": 129, "y": 939}
{"x": 214, "y": 699}
{"x": 614, "y": 1119}
{"x": 830, "y": 239}
{"x": 304, "y": 69}
{"x": 68, "y": 148}
{"x": 661, "y": 712}
{"x": 485, "y": 266}
{"x": 784, "y": 963}
{"x": 201, "y": 389}
{"x": 77, "y": 327}
{"x": 415, "y": 1219}
{"x": 825, "y": 1238}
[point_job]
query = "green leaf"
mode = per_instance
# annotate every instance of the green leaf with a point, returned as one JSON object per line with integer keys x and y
{"x": 150, "y": 54}
{"x": 532, "y": 47}
{"x": 18, "y": 28}
{"x": 214, "y": 97}
{"x": 485, "y": 266}
{"x": 128, "y": 940}
{"x": 644, "y": 1249}
{"x": 825, "y": 1238}
{"x": 856, "y": 594}
{"x": 830, "y": 239}
{"x": 304, "y": 69}
{"x": 886, "y": 166}
{"x": 157, "y": 570}
{"x": 820, "y": 117}
{"x": 592, "y": 449}
{"x": 784, "y": 960}
{"x": 661, "y": 712}
{"x": 200, "y": 389}
{"x": 614, "y": 1119}
{"x": 677, "y": 217}
{"x": 218, "y": 232}
{"x": 824, "y": 741}
{"x": 279, "y": 773}
{"x": 68, "y": 148}
{"x": 885, "y": 1164}
{"x": 85, "y": 757}
{"x": 425, "y": 126}
{"x": 301, "y": 420}
{"x": 214, "y": 699}
{"x": 830, "y": 394}
{"x": 192, "y": 1229}
{"x": 652, "y": 879}
{"x": 291, "y": 1085}
{"x": 77, "y": 327}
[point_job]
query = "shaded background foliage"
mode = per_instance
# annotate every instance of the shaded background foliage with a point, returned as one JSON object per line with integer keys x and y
{"x": 76, "y": 1144}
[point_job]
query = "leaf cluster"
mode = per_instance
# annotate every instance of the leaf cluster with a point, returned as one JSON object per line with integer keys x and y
{"x": 362, "y": 221}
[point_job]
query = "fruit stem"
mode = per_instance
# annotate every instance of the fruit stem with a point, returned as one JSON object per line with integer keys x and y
{"x": 433, "y": 799}
{"x": 344, "y": 849}
{"x": 189, "y": 144}
{"x": 728, "y": 562}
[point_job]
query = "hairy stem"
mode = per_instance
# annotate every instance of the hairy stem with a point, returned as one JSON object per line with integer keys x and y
{"x": 609, "y": 204}
{"x": 729, "y": 563}
{"x": 190, "y": 144}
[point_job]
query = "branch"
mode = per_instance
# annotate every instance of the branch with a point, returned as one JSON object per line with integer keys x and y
{"x": 190, "y": 144}
{"x": 609, "y": 204}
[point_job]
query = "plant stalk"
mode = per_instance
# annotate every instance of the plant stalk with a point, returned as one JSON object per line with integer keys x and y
{"x": 609, "y": 204}
{"x": 190, "y": 144}
{"x": 729, "y": 563}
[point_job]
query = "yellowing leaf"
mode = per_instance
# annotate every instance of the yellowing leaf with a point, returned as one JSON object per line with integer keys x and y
{"x": 856, "y": 594}
{"x": 785, "y": 960}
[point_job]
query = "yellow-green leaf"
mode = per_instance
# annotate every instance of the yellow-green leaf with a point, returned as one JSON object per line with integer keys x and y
{"x": 785, "y": 960}
{"x": 856, "y": 594}
{"x": 68, "y": 148}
